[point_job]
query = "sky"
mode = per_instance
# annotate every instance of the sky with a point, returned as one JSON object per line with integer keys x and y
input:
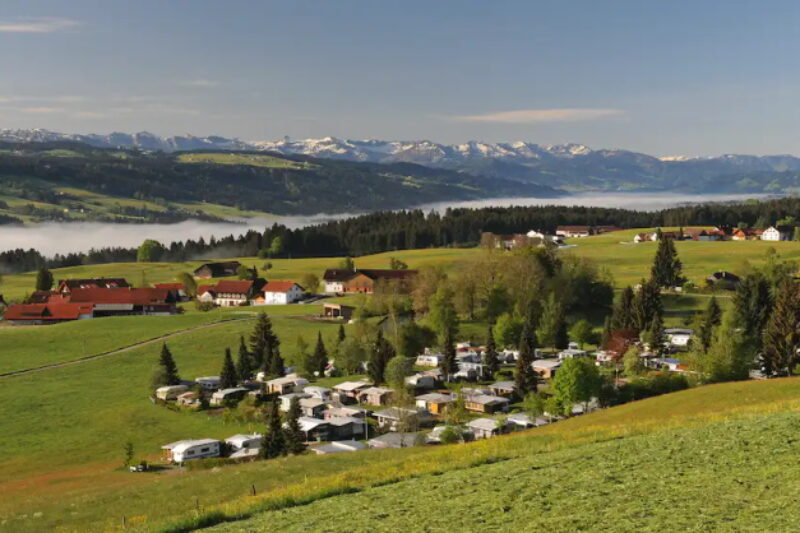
{"x": 665, "y": 78}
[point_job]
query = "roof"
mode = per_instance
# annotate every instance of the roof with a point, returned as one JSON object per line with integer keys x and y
{"x": 502, "y": 385}
{"x": 183, "y": 445}
{"x": 310, "y": 402}
{"x": 225, "y": 392}
{"x": 94, "y": 283}
{"x": 344, "y": 420}
{"x": 207, "y": 378}
{"x": 377, "y": 390}
{"x": 677, "y": 331}
{"x": 220, "y": 268}
{"x": 48, "y": 311}
{"x": 350, "y": 386}
{"x": 396, "y": 412}
{"x": 138, "y": 296}
{"x": 520, "y": 419}
{"x": 339, "y": 412}
{"x": 297, "y": 380}
{"x": 386, "y": 273}
{"x": 486, "y": 424}
{"x": 307, "y": 423}
{"x": 338, "y": 274}
{"x": 435, "y": 397}
{"x": 396, "y": 439}
{"x": 546, "y": 363}
{"x": 170, "y": 286}
{"x": 485, "y": 399}
{"x": 340, "y": 446}
{"x": 239, "y": 439}
{"x": 573, "y": 228}
{"x": 234, "y": 286}
{"x": 167, "y": 388}
{"x": 316, "y": 388}
{"x": 280, "y": 286}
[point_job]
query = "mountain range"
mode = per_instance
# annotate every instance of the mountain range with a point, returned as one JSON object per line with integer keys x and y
{"x": 563, "y": 166}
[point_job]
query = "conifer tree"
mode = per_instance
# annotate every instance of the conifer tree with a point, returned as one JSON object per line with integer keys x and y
{"x": 244, "y": 368}
{"x": 623, "y": 315}
{"x": 317, "y": 361}
{"x": 667, "y": 268}
{"x": 273, "y": 443}
{"x": 524, "y": 376}
{"x": 647, "y": 303}
{"x": 655, "y": 334}
{"x": 752, "y": 303}
{"x": 44, "y": 280}
{"x": 168, "y": 370}
{"x": 781, "y": 338}
{"x": 227, "y": 376}
{"x": 561, "y": 341}
{"x": 342, "y": 336}
{"x": 262, "y": 340}
{"x": 382, "y": 353}
{"x": 293, "y": 436}
{"x": 277, "y": 367}
{"x": 490, "y": 357}
{"x": 449, "y": 365}
{"x": 605, "y": 337}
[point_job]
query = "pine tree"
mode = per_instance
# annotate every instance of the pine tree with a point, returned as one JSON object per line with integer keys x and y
{"x": 342, "y": 336}
{"x": 382, "y": 353}
{"x": 524, "y": 376}
{"x": 244, "y": 368}
{"x": 449, "y": 364}
{"x": 655, "y": 334}
{"x": 647, "y": 304}
{"x": 227, "y": 377}
{"x": 277, "y": 366}
{"x": 44, "y": 280}
{"x": 752, "y": 302}
{"x": 490, "y": 357}
{"x": 317, "y": 361}
{"x": 167, "y": 367}
{"x": 262, "y": 340}
{"x": 293, "y": 436}
{"x": 273, "y": 443}
{"x": 781, "y": 338}
{"x": 623, "y": 315}
{"x": 667, "y": 268}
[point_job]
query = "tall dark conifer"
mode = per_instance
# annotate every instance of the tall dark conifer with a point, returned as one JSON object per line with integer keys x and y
{"x": 342, "y": 336}
{"x": 262, "y": 340}
{"x": 227, "y": 376}
{"x": 244, "y": 367}
{"x": 168, "y": 367}
{"x": 781, "y": 338}
{"x": 647, "y": 304}
{"x": 273, "y": 443}
{"x": 752, "y": 302}
{"x": 524, "y": 375}
{"x": 294, "y": 438}
{"x": 667, "y": 268}
{"x": 623, "y": 315}
{"x": 382, "y": 353}
{"x": 449, "y": 364}
{"x": 317, "y": 361}
{"x": 561, "y": 340}
{"x": 490, "y": 357}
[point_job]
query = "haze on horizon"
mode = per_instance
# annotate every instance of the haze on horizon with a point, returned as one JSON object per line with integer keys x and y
{"x": 681, "y": 78}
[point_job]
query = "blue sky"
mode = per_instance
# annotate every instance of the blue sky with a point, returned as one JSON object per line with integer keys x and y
{"x": 678, "y": 77}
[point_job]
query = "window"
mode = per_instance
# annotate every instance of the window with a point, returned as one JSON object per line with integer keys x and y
{"x": 190, "y": 452}
{"x": 204, "y": 450}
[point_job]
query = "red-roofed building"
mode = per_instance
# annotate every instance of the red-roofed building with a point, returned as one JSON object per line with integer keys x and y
{"x": 48, "y": 313}
{"x": 279, "y": 293}
{"x": 131, "y": 301}
{"x": 231, "y": 293}
{"x": 65, "y": 286}
{"x": 177, "y": 289}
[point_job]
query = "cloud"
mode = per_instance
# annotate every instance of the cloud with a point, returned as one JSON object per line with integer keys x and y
{"x": 41, "y": 109}
{"x": 528, "y": 116}
{"x": 37, "y": 25}
{"x": 201, "y": 83}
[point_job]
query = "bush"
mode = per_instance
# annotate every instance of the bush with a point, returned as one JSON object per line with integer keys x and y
{"x": 203, "y": 306}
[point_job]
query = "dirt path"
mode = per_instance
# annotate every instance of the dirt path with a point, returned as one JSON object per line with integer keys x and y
{"x": 120, "y": 350}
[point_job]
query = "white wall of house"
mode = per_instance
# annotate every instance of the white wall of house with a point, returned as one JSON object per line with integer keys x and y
{"x": 282, "y": 298}
{"x": 772, "y": 234}
{"x": 333, "y": 287}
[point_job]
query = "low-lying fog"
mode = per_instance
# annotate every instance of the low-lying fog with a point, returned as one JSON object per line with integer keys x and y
{"x": 51, "y": 238}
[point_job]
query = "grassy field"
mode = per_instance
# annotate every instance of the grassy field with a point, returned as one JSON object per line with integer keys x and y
{"x": 254, "y": 160}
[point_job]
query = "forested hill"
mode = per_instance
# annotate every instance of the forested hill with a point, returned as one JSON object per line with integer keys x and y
{"x": 38, "y": 173}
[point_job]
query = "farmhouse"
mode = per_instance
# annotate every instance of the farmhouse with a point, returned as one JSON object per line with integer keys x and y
{"x": 573, "y": 231}
{"x": 279, "y": 293}
{"x": 364, "y": 280}
{"x": 118, "y": 302}
{"x": 184, "y": 450}
{"x": 333, "y": 279}
{"x": 777, "y": 233}
{"x": 217, "y": 270}
{"x": 47, "y": 313}
{"x": 65, "y": 286}
{"x": 228, "y": 293}
{"x": 747, "y": 234}
{"x": 177, "y": 289}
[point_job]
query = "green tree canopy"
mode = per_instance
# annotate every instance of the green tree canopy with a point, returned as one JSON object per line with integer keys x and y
{"x": 149, "y": 251}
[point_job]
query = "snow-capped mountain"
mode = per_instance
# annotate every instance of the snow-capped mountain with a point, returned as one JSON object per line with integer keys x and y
{"x": 570, "y": 166}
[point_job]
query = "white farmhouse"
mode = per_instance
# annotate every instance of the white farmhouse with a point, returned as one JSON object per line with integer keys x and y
{"x": 777, "y": 233}
{"x": 279, "y": 293}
